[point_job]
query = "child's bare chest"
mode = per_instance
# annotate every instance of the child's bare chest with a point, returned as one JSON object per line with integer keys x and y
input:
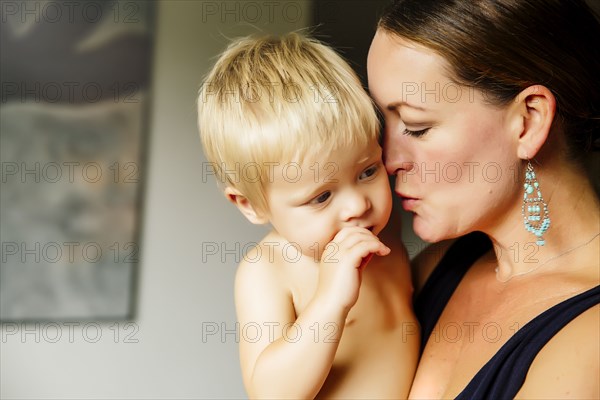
{"x": 383, "y": 308}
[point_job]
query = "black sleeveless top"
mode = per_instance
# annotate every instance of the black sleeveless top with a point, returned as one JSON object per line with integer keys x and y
{"x": 503, "y": 375}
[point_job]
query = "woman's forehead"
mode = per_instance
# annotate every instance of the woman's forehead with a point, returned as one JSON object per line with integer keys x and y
{"x": 399, "y": 70}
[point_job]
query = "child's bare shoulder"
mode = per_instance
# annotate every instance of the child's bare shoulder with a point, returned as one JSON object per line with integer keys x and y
{"x": 262, "y": 271}
{"x": 261, "y": 262}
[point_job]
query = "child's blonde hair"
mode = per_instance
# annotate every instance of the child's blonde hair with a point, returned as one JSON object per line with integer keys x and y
{"x": 279, "y": 99}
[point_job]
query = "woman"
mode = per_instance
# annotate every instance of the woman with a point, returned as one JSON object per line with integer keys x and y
{"x": 488, "y": 106}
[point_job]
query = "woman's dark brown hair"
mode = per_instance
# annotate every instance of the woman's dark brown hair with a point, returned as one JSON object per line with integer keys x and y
{"x": 501, "y": 47}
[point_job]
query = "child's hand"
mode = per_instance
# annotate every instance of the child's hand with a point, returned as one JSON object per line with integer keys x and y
{"x": 342, "y": 263}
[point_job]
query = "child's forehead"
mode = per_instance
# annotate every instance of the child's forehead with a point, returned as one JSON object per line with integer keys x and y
{"x": 328, "y": 156}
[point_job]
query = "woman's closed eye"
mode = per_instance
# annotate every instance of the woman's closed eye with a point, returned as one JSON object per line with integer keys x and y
{"x": 418, "y": 133}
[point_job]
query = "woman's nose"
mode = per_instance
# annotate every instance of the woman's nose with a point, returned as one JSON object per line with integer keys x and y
{"x": 395, "y": 155}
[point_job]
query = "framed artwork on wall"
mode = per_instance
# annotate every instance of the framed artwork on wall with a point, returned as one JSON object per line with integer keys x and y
{"x": 75, "y": 82}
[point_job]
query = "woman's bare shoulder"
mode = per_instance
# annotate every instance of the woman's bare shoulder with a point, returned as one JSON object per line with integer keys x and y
{"x": 569, "y": 364}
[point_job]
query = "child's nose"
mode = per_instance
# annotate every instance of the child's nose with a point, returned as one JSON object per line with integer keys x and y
{"x": 355, "y": 206}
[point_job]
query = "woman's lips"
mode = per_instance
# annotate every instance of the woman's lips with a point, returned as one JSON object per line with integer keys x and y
{"x": 408, "y": 203}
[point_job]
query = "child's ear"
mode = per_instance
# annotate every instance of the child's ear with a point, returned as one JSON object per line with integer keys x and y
{"x": 536, "y": 106}
{"x": 245, "y": 207}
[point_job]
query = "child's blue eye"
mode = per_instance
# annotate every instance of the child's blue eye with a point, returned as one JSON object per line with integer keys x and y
{"x": 367, "y": 173}
{"x": 322, "y": 198}
{"x": 416, "y": 133}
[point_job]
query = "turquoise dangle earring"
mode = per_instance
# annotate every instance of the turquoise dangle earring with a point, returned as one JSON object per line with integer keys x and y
{"x": 534, "y": 209}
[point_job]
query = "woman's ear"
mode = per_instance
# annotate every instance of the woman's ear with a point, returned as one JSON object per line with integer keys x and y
{"x": 536, "y": 106}
{"x": 245, "y": 207}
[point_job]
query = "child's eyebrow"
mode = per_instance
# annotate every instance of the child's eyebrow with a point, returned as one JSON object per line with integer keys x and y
{"x": 307, "y": 195}
{"x": 366, "y": 158}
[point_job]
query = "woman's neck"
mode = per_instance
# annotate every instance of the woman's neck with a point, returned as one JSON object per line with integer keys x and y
{"x": 572, "y": 234}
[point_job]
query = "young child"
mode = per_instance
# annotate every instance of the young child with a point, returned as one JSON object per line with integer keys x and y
{"x": 294, "y": 139}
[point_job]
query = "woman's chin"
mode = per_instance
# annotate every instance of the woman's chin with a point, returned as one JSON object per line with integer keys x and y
{"x": 427, "y": 231}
